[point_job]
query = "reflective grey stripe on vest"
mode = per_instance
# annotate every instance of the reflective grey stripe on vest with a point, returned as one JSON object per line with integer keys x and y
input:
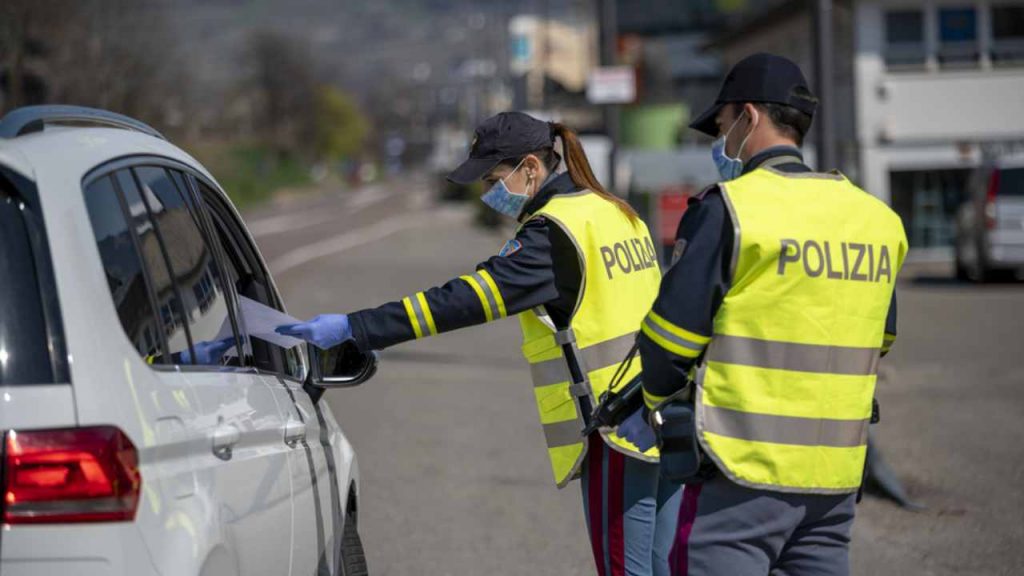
{"x": 563, "y": 433}
{"x": 792, "y": 356}
{"x": 785, "y": 429}
{"x": 602, "y": 355}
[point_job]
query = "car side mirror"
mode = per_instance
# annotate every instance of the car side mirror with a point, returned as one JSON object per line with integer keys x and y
{"x": 342, "y": 366}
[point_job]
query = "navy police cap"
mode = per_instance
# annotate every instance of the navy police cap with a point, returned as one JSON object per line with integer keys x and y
{"x": 505, "y": 136}
{"x": 759, "y": 78}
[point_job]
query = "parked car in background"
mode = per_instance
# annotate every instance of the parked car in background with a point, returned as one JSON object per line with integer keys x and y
{"x": 990, "y": 223}
{"x": 129, "y": 446}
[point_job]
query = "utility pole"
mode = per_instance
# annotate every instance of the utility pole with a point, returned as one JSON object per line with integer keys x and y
{"x": 823, "y": 71}
{"x": 609, "y": 38}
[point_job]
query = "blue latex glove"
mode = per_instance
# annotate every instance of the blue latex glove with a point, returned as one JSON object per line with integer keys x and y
{"x": 208, "y": 353}
{"x": 636, "y": 429}
{"x": 325, "y": 331}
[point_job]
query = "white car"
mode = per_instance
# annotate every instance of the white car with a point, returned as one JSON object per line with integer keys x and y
{"x": 136, "y": 439}
{"x": 990, "y": 222}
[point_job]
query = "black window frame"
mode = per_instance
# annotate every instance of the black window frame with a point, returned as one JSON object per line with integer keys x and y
{"x": 958, "y": 54}
{"x": 217, "y": 207}
{"x": 905, "y": 55}
{"x": 1008, "y": 50}
{"x": 191, "y": 195}
{"x": 28, "y": 194}
{"x": 155, "y": 308}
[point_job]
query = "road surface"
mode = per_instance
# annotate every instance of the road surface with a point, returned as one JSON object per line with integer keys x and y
{"x": 454, "y": 472}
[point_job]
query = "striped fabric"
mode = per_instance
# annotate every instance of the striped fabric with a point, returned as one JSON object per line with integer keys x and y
{"x": 887, "y": 342}
{"x": 632, "y": 513}
{"x": 487, "y": 291}
{"x": 672, "y": 338}
{"x": 680, "y": 558}
{"x": 652, "y": 400}
{"x": 420, "y": 318}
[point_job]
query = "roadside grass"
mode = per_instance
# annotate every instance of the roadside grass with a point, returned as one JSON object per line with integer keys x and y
{"x": 250, "y": 173}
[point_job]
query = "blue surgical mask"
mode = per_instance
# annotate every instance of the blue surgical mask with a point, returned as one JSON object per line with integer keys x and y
{"x": 728, "y": 168}
{"x": 503, "y": 200}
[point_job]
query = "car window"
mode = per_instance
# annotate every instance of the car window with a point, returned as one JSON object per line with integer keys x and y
{"x": 120, "y": 252}
{"x": 24, "y": 334}
{"x": 249, "y": 279}
{"x": 193, "y": 267}
{"x": 152, "y": 249}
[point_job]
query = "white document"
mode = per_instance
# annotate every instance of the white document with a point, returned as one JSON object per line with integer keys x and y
{"x": 260, "y": 321}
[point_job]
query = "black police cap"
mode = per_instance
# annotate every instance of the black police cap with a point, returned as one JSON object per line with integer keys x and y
{"x": 760, "y": 78}
{"x": 502, "y": 137}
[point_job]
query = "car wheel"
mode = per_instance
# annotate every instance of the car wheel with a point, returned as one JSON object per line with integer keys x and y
{"x": 353, "y": 558}
{"x": 961, "y": 268}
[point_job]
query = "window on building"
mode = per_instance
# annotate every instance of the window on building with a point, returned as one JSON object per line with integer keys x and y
{"x": 927, "y": 201}
{"x": 1008, "y": 34}
{"x": 958, "y": 37}
{"x": 904, "y": 39}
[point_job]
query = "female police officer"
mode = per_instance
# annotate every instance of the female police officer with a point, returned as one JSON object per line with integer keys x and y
{"x": 581, "y": 273}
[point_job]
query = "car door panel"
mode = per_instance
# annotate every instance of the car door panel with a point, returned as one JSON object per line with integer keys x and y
{"x": 282, "y": 371}
{"x": 242, "y": 466}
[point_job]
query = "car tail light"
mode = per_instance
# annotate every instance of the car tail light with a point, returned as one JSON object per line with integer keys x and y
{"x": 990, "y": 200}
{"x": 70, "y": 475}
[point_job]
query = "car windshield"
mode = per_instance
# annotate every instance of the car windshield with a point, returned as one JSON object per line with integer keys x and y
{"x": 24, "y": 339}
{"x": 1011, "y": 182}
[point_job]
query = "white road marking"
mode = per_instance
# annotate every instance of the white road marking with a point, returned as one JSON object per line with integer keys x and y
{"x": 342, "y": 242}
{"x": 362, "y": 236}
{"x": 272, "y": 225}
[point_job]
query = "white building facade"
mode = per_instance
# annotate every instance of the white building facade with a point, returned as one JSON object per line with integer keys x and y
{"x": 925, "y": 90}
{"x": 939, "y": 86}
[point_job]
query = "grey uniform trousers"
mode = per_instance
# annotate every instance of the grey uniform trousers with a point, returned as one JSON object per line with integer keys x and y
{"x": 726, "y": 529}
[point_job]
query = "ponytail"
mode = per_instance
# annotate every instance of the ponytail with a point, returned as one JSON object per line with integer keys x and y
{"x": 579, "y": 169}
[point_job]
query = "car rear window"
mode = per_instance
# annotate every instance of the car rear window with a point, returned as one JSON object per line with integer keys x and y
{"x": 28, "y": 314}
{"x": 1011, "y": 182}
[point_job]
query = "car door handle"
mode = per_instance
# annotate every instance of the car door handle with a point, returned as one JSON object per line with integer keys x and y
{"x": 294, "y": 431}
{"x": 225, "y": 437}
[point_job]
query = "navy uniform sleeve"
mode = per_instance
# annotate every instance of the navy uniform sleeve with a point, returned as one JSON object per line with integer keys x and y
{"x": 678, "y": 328}
{"x": 520, "y": 278}
{"x": 890, "y": 327}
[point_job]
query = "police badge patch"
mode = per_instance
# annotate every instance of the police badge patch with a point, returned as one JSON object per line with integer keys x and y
{"x": 677, "y": 251}
{"x": 510, "y": 248}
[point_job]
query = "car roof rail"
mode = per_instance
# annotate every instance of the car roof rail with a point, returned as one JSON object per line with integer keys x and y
{"x": 30, "y": 119}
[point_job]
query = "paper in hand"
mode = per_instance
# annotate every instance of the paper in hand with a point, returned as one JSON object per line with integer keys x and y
{"x": 260, "y": 322}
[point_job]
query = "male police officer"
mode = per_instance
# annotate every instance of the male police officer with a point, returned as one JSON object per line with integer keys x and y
{"x": 778, "y": 306}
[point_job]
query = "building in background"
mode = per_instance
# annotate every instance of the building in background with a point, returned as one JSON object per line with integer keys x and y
{"x": 924, "y": 91}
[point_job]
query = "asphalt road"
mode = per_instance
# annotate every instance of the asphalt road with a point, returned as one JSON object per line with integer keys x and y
{"x": 454, "y": 473}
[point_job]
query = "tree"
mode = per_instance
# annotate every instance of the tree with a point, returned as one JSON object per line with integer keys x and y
{"x": 341, "y": 128}
{"x": 283, "y": 88}
{"x": 112, "y": 54}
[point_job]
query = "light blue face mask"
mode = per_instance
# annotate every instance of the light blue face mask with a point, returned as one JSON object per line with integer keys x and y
{"x": 728, "y": 168}
{"x": 503, "y": 200}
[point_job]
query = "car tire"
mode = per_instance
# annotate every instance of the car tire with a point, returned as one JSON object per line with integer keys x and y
{"x": 353, "y": 558}
{"x": 961, "y": 268}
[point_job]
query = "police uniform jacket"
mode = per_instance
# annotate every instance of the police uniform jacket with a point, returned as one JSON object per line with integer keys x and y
{"x": 699, "y": 277}
{"x": 537, "y": 267}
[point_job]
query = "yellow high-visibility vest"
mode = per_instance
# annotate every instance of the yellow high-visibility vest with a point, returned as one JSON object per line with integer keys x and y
{"x": 620, "y": 282}
{"x": 784, "y": 392}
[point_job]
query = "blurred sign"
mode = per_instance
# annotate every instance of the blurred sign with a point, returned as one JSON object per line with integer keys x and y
{"x": 521, "y": 31}
{"x": 612, "y": 85}
{"x": 671, "y": 207}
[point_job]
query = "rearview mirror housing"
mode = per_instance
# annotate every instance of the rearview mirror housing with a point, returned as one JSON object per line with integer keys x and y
{"x": 342, "y": 366}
